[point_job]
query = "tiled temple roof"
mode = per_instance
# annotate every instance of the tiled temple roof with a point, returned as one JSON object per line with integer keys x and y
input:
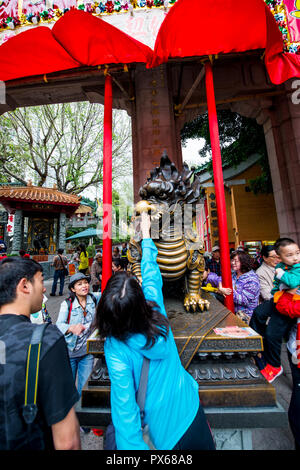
{"x": 37, "y": 194}
{"x": 83, "y": 209}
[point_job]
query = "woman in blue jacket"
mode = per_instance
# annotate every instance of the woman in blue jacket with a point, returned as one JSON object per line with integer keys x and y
{"x": 134, "y": 322}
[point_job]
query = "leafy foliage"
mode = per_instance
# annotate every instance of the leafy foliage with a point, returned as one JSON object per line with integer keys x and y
{"x": 61, "y": 144}
{"x": 239, "y": 138}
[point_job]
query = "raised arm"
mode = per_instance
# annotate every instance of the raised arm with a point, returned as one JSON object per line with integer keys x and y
{"x": 151, "y": 276}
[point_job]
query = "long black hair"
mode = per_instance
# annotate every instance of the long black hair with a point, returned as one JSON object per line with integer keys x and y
{"x": 82, "y": 248}
{"x": 123, "y": 311}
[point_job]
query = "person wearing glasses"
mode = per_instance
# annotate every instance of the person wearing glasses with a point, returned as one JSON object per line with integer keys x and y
{"x": 266, "y": 271}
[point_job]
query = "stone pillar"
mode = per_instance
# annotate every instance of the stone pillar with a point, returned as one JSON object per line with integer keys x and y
{"x": 153, "y": 125}
{"x": 282, "y": 132}
{"x": 62, "y": 231}
{"x": 18, "y": 231}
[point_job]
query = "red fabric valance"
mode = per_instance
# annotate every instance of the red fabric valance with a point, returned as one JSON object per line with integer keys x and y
{"x": 196, "y": 28}
{"x": 192, "y": 28}
{"x": 281, "y": 66}
{"x": 201, "y": 27}
{"x": 76, "y": 39}
{"x": 33, "y": 52}
{"x": 93, "y": 41}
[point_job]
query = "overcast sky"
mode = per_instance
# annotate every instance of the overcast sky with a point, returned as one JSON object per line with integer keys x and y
{"x": 190, "y": 153}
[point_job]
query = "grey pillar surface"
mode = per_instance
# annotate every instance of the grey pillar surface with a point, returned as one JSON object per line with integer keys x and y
{"x": 62, "y": 231}
{"x": 153, "y": 124}
{"x": 282, "y": 132}
{"x": 18, "y": 230}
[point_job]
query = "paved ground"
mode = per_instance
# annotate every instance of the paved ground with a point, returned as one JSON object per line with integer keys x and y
{"x": 263, "y": 439}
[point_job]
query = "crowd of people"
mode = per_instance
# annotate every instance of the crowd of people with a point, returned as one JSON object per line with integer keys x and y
{"x": 266, "y": 296}
{"x": 132, "y": 319}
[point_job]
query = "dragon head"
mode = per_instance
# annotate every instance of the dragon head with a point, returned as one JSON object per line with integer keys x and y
{"x": 167, "y": 185}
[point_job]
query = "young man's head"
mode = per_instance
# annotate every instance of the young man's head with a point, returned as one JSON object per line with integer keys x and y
{"x": 288, "y": 250}
{"x": 22, "y": 282}
{"x": 60, "y": 251}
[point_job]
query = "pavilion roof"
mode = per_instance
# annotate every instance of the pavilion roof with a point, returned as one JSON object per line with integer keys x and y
{"x": 84, "y": 209}
{"x": 37, "y": 194}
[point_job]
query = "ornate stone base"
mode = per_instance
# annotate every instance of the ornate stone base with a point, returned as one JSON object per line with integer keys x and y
{"x": 233, "y": 439}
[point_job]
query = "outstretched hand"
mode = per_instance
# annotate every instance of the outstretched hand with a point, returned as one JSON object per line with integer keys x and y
{"x": 145, "y": 225}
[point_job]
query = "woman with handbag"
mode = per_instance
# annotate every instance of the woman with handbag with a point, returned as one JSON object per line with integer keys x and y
{"x": 134, "y": 322}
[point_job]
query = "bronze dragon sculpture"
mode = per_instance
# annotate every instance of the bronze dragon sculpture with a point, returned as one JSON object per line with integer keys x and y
{"x": 170, "y": 197}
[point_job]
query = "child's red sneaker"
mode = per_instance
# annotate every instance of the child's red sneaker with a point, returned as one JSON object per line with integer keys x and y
{"x": 271, "y": 373}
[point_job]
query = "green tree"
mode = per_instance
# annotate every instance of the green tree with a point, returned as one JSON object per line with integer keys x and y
{"x": 239, "y": 138}
{"x": 61, "y": 144}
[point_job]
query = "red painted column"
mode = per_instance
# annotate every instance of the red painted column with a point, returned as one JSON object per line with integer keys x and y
{"x": 107, "y": 184}
{"x": 219, "y": 184}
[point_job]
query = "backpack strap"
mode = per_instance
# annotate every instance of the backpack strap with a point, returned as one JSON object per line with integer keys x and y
{"x": 70, "y": 305}
{"x": 32, "y": 373}
{"x": 141, "y": 393}
{"x": 94, "y": 299}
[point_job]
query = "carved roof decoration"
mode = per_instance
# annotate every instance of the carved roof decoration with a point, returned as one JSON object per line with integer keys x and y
{"x": 37, "y": 194}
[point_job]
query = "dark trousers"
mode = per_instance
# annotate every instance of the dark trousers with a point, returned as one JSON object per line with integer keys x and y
{"x": 58, "y": 274}
{"x": 294, "y": 408}
{"x": 198, "y": 436}
{"x": 124, "y": 263}
{"x": 273, "y": 332}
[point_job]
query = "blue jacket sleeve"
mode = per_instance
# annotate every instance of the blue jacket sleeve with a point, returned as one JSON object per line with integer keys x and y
{"x": 125, "y": 411}
{"x": 151, "y": 276}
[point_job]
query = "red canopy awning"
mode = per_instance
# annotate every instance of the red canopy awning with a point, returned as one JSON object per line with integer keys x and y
{"x": 93, "y": 41}
{"x": 76, "y": 39}
{"x": 201, "y": 28}
{"x": 33, "y": 52}
{"x": 192, "y": 28}
{"x": 281, "y": 66}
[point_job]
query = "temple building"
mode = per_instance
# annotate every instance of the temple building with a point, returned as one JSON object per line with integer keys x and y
{"x": 251, "y": 218}
{"x": 83, "y": 217}
{"x": 39, "y": 217}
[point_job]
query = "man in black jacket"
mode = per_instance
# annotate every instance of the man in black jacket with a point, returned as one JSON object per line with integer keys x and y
{"x": 55, "y": 425}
